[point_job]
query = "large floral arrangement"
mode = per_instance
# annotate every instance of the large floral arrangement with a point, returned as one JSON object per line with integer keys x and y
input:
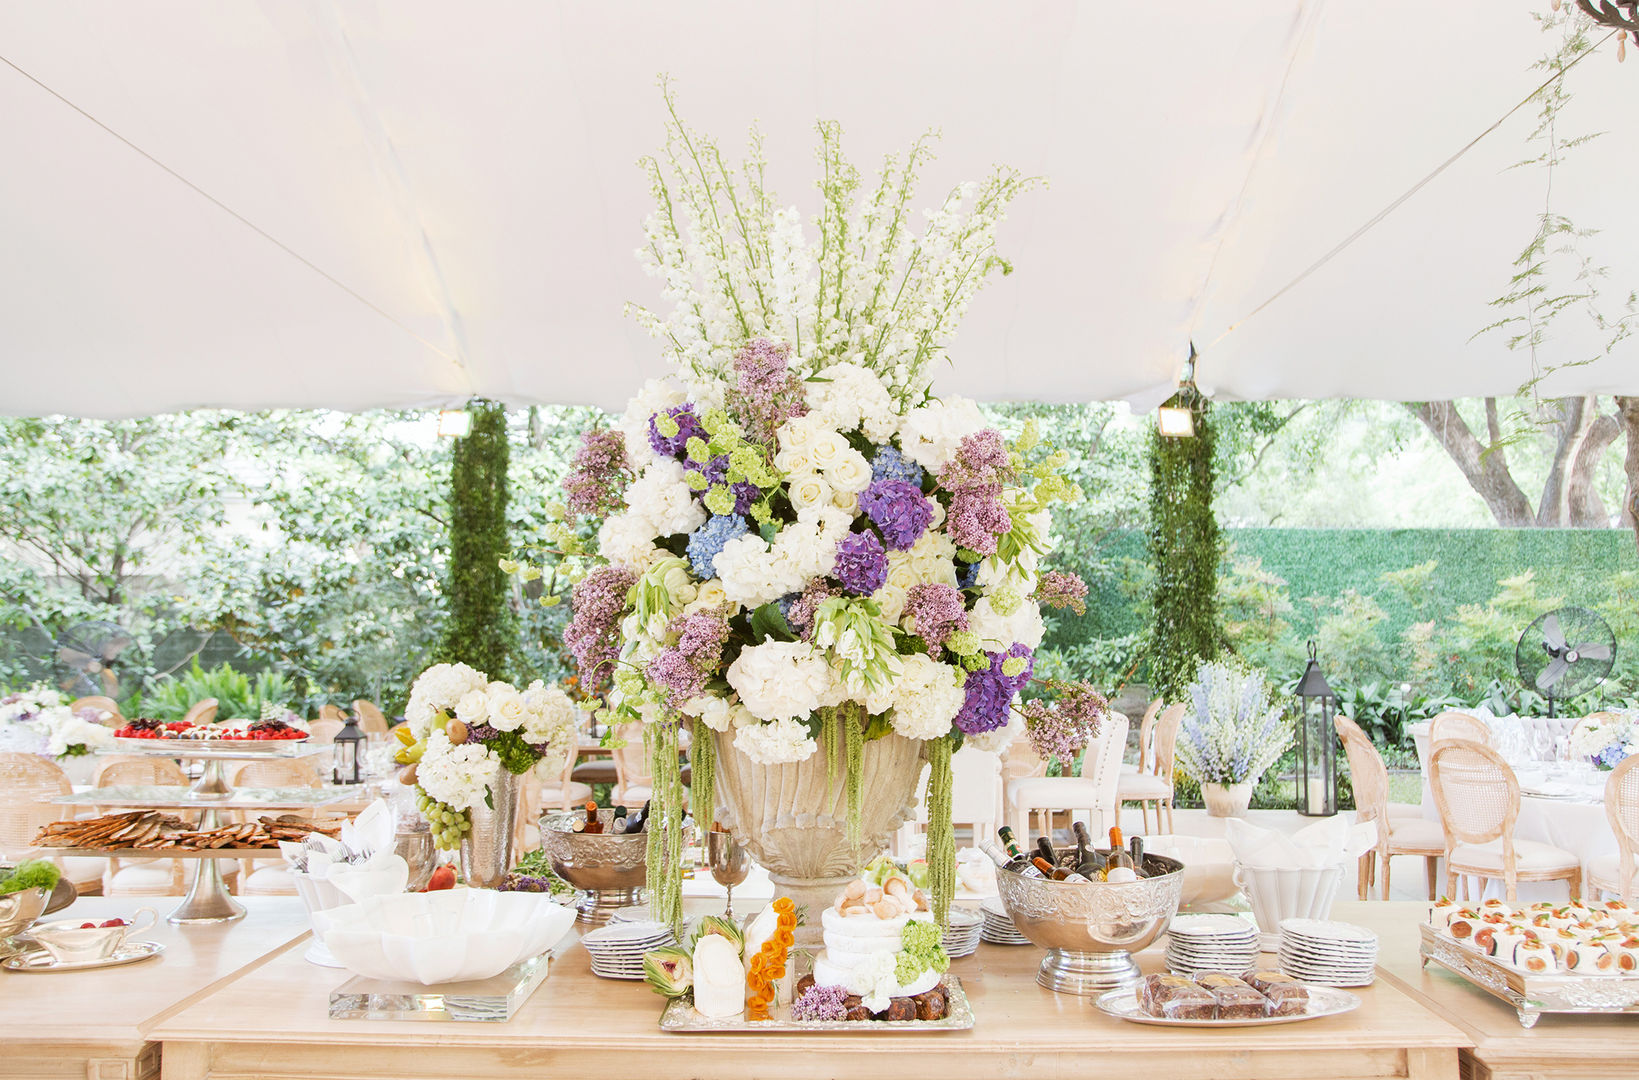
{"x": 44, "y": 717}
{"x": 461, "y": 725}
{"x": 1605, "y": 738}
{"x": 802, "y": 544}
{"x": 1234, "y": 730}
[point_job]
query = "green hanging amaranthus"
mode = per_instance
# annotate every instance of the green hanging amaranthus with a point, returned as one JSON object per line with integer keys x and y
{"x": 854, "y": 732}
{"x": 664, "y": 854}
{"x": 1185, "y": 548}
{"x": 941, "y": 830}
{"x": 703, "y": 776}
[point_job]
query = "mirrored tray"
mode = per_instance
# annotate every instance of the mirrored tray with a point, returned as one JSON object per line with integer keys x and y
{"x": 38, "y": 960}
{"x": 681, "y": 1018}
{"x": 1323, "y": 1001}
{"x": 228, "y": 749}
{"x": 1532, "y": 995}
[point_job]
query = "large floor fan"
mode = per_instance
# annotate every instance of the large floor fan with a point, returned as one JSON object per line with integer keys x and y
{"x": 1565, "y": 653}
{"x": 88, "y": 656}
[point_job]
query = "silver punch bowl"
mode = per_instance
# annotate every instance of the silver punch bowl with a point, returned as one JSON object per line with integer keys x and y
{"x": 1089, "y": 929}
{"x": 605, "y": 868}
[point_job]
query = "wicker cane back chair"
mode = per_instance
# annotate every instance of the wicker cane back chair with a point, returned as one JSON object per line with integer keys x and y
{"x": 1478, "y": 798}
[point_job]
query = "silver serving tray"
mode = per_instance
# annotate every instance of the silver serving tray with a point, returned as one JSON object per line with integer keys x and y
{"x": 226, "y": 749}
{"x": 1532, "y": 995}
{"x": 1323, "y": 1001}
{"x": 39, "y": 960}
{"x": 681, "y": 1018}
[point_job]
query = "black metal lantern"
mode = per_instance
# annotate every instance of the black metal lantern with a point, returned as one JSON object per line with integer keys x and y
{"x": 346, "y": 753}
{"x": 1317, "y": 742}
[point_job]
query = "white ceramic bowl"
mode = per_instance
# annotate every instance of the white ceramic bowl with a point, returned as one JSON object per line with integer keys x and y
{"x": 1280, "y": 893}
{"x": 1209, "y": 865}
{"x": 71, "y": 941}
{"x": 449, "y": 936}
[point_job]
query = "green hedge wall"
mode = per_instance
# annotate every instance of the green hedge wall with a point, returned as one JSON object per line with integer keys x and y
{"x": 1571, "y": 564}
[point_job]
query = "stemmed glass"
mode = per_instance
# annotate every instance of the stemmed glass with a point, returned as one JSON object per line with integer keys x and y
{"x": 729, "y": 862}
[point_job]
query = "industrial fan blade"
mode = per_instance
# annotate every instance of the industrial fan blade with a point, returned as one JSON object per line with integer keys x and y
{"x": 1553, "y": 639}
{"x": 1592, "y": 651}
{"x": 1552, "y": 674}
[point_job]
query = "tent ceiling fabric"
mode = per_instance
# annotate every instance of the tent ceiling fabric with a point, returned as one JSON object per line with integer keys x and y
{"x": 443, "y": 198}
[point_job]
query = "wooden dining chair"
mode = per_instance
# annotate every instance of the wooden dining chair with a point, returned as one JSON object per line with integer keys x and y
{"x": 1478, "y": 797}
{"x": 1615, "y": 873}
{"x": 106, "y": 708}
{"x": 1344, "y": 726}
{"x": 563, "y": 791}
{"x": 332, "y": 712}
{"x": 323, "y": 731}
{"x": 141, "y": 877}
{"x": 1154, "y": 785}
{"x": 1146, "y": 731}
{"x": 634, "y": 783}
{"x": 1395, "y": 835}
{"x": 270, "y": 876}
{"x": 371, "y": 720}
{"x": 203, "y": 711}
{"x": 28, "y": 783}
{"x": 1458, "y": 725}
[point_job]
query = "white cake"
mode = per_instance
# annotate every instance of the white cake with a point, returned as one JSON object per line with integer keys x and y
{"x": 852, "y": 939}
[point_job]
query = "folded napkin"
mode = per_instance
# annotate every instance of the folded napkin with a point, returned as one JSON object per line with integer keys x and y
{"x": 1328, "y": 842}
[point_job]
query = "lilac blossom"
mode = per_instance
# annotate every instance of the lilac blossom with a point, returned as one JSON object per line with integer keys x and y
{"x": 977, "y": 518}
{"x": 1062, "y": 728}
{"x": 768, "y": 392}
{"x": 935, "y": 610}
{"x": 899, "y": 510}
{"x": 821, "y": 1003}
{"x": 800, "y": 615}
{"x": 1062, "y": 589}
{"x": 593, "y": 633}
{"x": 597, "y": 475}
{"x": 980, "y": 461}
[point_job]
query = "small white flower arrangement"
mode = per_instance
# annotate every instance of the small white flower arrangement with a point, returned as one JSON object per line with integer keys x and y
{"x": 1233, "y": 730}
{"x": 45, "y": 714}
{"x": 1605, "y": 738}
{"x": 461, "y": 725}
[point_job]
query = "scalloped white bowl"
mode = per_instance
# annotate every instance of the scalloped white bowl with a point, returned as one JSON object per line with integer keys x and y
{"x": 439, "y": 937}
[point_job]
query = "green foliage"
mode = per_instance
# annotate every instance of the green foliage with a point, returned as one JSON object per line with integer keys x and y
{"x": 1184, "y": 548}
{"x": 238, "y": 696}
{"x": 32, "y": 874}
{"x": 482, "y": 625}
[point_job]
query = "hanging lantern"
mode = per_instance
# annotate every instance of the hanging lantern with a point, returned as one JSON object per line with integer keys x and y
{"x": 1317, "y": 743}
{"x": 1176, "y": 418}
{"x": 347, "y": 752}
{"x": 454, "y": 423}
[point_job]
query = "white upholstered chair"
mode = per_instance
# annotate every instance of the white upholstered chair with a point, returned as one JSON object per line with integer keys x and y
{"x": 1094, "y": 789}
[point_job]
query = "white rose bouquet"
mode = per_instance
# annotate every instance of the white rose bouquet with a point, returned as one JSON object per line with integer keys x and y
{"x": 48, "y": 722}
{"x": 461, "y": 725}
{"x": 1605, "y": 738}
{"x": 801, "y": 544}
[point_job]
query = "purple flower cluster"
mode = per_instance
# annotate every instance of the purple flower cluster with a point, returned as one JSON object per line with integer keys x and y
{"x": 672, "y": 672}
{"x": 899, "y": 510}
{"x": 821, "y": 1003}
{"x": 1062, "y": 589}
{"x": 980, "y": 461}
{"x": 707, "y": 542}
{"x": 688, "y": 427}
{"x": 715, "y": 472}
{"x": 935, "y": 610}
{"x": 597, "y": 475}
{"x": 989, "y": 692}
{"x": 1062, "y": 729}
{"x": 682, "y": 670}
{"x": 890, "y": 464}
{"x": 768, "y": 392}
{"x": 862, "y": 563}
{"x": 800, "y": 615}
{"x": 977, "y": 517}
{"x": 593, "y": 633}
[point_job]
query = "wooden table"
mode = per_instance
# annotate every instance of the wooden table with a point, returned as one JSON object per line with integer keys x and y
{"x": 97, "y": 1024}
{"x": 1570, "y": 1046}
{"x": 273, "y": 1022}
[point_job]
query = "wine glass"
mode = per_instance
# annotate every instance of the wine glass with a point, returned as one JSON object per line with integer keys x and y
{"x": 729, "y": 862}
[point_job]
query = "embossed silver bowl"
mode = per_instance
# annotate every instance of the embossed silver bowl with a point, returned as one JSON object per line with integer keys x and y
{"x": 1089, "y": 929}
{"x": 18, "y": 910}
{"x": 606, "y": 869}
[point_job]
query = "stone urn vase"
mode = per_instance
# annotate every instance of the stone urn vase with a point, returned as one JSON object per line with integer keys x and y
{"x": 794, "y": 818}
{"x": 1227, "y": 800}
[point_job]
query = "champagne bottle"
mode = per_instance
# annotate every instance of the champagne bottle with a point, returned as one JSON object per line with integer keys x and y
{"x": 617, "y": 824}
{"x": 640, "y": 819}
{"x": 1136, "y": 847}
{"x": 997, "y": 855}
{"x": 593, "y": 825}
{"x": 1083, "y": 841}
{"x": 1057, "y": 873}
{"x": 1017, "y": 860}
{"x": 1045, "y": 847}
{"x": 1118, "y": 854}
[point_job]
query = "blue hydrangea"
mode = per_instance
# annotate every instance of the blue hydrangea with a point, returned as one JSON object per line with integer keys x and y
{"x": 967, "y": 575}
{"x": 706, "y": 542}
{"x": 890, "y": 464}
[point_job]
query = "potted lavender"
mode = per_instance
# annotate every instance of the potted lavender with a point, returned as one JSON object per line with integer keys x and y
{"x": 1232, "y": 731}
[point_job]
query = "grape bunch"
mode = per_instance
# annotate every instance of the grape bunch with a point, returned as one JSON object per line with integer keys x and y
{"x": 448, "y": 824}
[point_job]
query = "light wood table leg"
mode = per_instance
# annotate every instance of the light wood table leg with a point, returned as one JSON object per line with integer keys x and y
{"x": 185, "y": 1061}
{"x": 1420, "y": 1065}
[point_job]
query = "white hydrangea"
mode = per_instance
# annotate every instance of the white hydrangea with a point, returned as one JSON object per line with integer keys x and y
{"x": 750, "y": 572}
{"x": 998, "y": 632}
{"x": 926, "y": 699}
{"x": 628, "y": 539}
{"x": 873, "y": 979}
{"x": 780, "y": 680}
{"x": 656, "y": 394}
{"x": 808, "y": 546}
{"x": 438, "y": 689}
{"x": 715, "y": 711}
{"x": 932, "y": 559}
{"x": 931, "y": 435}
{"x": 455, "y": 775}
{"x": 779, "y": 743}
{"x": 549, "y": 721}
{"x": 661, "y": 498}
{"x": 65, "y": 730}
{"x": 853, "y": 397}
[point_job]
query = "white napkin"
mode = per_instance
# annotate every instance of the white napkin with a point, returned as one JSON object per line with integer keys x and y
{"x": 1328, "y": 842}
{"x": 975, "y": 871}
{"x": 371, "y": 831}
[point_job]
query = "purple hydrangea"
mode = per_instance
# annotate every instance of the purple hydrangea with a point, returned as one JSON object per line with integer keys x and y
{"x": 715, "y": 472}
{"x": 1022, "y": 679}
{"x": 707, "y": 542}
{"x": 862, "y": 563}
{"x": 899, "y": 510}
{"x": 597, "y": 475}
{"x": 593, "y": 633}
{"x": 977, "y": 518}
{"x": 768, "y": 393}
{"x": 990, "y": 692}
{"x": 688, "y": 426}
{"x": 890, "y": 464}
{"x": 936, "y": 611}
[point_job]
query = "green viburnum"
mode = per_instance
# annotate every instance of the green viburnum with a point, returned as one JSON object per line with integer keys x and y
{"x": 695, "y": 480}
{"x": 920, "y": 949}
{"x": 665, "y": 423}
{"x": 860, "y": 644}
{"x": 1014, "y": 666}
{"x": 699, "y": 450}
{"x": 720, "y": 500}
{"x": 963, "y": 643}
{"x": 1005, "y": 601}
{"x": 975, "y": 661}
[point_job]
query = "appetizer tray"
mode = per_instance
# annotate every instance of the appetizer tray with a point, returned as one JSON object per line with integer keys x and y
{"x": 681, "y": 1018}
{"x": 1323, "y": 1001}
{"x": 227, "y": 749}
{"x": 1532, "y": 995}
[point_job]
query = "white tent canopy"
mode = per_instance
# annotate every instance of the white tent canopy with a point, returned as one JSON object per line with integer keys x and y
{"x": 361, "y": 203}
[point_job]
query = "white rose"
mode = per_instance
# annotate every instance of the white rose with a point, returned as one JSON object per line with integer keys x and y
{"x": 846, "y": 500}
{"x": 797, "y": 433}
{"x": 714, "y": 711}
{"x": 826, "y": 448}
{"x": 794, "y": 462}
{"x": 849, "y": 472}
{"x": 473, "y": 707}
{"x": 891, "y": 599}
{"x": 810, "y": 490}
{"x": 507, "y": 711}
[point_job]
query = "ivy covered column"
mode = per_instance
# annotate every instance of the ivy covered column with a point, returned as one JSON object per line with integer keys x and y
{"x": 481, "y": 624}
{"x": 1185, "y": 548}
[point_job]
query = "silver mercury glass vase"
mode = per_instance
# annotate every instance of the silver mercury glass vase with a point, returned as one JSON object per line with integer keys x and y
{"x": 486, "y": 850}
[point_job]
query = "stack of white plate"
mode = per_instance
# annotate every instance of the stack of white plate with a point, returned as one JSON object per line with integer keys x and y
{"x": 617, "y": 949}
{"x": 1329, "y": 953}
{"x": 962, "y": 937}
{"x": 635, "y": 913}
{"x": 1197, "y": 944}
{"x": 997, "y": 927}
